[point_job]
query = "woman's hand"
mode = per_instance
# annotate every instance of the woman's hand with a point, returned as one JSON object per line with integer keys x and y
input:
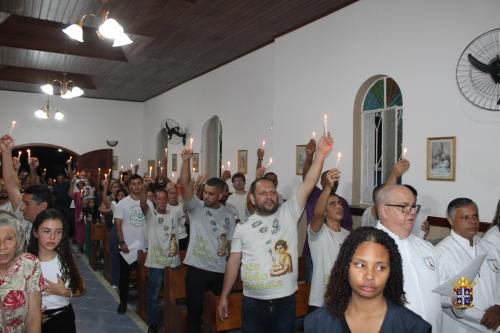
{"x": 56, "y": 288}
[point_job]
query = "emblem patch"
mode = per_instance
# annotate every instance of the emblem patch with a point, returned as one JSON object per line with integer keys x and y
{"x": 461, "y": 296}
{"x": 493, "y": 264}
{"x": 429, "y": 262}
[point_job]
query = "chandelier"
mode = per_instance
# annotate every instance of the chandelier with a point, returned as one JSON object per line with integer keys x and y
{"x": 109, "y": 28}
{"x": 68, "y": 88}
{"x": 46, "y": 111}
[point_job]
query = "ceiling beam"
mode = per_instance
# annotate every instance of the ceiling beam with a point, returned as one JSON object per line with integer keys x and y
{"x": 35, "y": 34}
{"x": 38, "y": 76}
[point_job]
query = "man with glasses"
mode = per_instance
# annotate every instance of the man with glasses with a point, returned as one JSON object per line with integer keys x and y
{"x": 422, "y": 268}
{"x": 458, "y": 250}
{"x": 239, "y": 197}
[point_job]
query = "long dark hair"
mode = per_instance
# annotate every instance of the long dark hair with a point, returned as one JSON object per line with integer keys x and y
{"x": 338, "y": 290}
{"x": 69, "y": 269}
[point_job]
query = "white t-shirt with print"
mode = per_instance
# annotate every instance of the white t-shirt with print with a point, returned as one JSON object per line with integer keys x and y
{"x": 51, "y": 270}
{"x": 268, "y": 246}
{"x": 325, "y": 246}
{"x": 163, "y": 242}
{"x": 210, "y": 229}
{"x": 181, "y": 226}
{"x": 134, "y": 222}
{"x": 240, "y": 202}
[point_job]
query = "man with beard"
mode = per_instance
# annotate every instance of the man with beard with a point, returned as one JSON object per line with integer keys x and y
{"x": 4, "y": 197}
{"x": 266, "y": 247}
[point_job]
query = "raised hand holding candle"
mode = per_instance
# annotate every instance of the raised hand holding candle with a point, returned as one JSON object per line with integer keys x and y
{"x": 19, "y": 154}
{"x": 339, "y": 157}
{"x": 12, "y": 127}
{"x": 325, "y": 119}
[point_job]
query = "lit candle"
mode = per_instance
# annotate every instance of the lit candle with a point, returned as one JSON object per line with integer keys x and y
{"x": 105, "y": 176}
{"x": 339, "y": 157}
{"x": 269, "y": 163}
{"x": 19, "y": 154}
{"x": 131, "y": 166}
{"x": 109, "y": 171}
{"x": 194, "y": 169}
{"x": 229, "y": 165}
{"x": 98, "y": 171}
{"x": 191, "y": 143}
{"x": 314, "y": 135}
{"x": 121, "y": 168}
{"x": 139, "y": 161}
{"x": 12, "y": 127}
{"x": 166, "y": 150}
{"x": 263, "y": 144}
{"x": 159, "y": 163}
{"x": 161, "y": 169}
{"x": 78, "y": 174}
{"x": 70, "y": 158}
{"x": 173, "y": 175}
{"x": 325, "y": 119}
{"x": 44, "y": 170}
{"x": 29, "y": 154}
{"x": 121, "y": 177}
{"x": 222, "y": 167}
{"x": 150, "y": 171}
{"x": 405, "y": 150}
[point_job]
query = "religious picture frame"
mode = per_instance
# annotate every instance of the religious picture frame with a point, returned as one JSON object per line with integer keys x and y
{"x": 300, "y": 157}
{"x": 174, "y": 162}
{"x": 196, "y": 162}
{"x": 441, "y": 158}
{"x": 243, "y": 161}
{"x": 114, "y": 163}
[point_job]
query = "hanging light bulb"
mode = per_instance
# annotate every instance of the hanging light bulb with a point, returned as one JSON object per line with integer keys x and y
{"x": 75, "y": 31}
{"x": 41, "y": 113}
{"x": 48, "y": 89}
{"x": 121, "y": 40}
{"x": 110, "y": 29}
{"x": 59, "y": 116}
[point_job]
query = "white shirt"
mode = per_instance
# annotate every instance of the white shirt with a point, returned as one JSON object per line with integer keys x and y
{"x": 181, "y": 226}
{"x": 325, "y": 246}
{"x": 211, "y": 229}
{"x": 51, "y": 270}
{"x": 240, "y": 202}
{"x": 423, "y": 272}
{"x": 456, "y": 254}
{"x": 492, "y": 237}
{"x": 134, "y": 222}
{"x": 367, "y": 219}
{"x": 258, "y": 239}
{"x": 27, "y": 225}
{"x": 163, "y": 242}
{"x": 7, "y": 207}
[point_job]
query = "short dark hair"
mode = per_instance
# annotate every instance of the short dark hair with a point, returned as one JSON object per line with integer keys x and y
{"x": 158, "y": 190}
{"x": 135, "y": 176}
{"x": 338, "y": 290}
{"x": 41, "y": 193}
{"x": 254, "y": 184}
{"x": 269, "y": 174}
{"x": 216, "y": 182}
{"x": 458, "y": 203}
{"x": 238, "y": 175}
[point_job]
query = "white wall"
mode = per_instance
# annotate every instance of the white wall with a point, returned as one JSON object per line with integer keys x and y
{"x": 88, "y": 123}
{"x": 319, "y": 68}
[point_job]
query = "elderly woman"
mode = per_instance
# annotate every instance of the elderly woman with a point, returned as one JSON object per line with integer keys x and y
{"x": 21, "y": 281}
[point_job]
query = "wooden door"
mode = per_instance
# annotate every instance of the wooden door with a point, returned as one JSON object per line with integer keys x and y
{"x": 91, "y": 161}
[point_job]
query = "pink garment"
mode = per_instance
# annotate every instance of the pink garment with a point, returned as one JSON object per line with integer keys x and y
{"x": 79, "y": 222}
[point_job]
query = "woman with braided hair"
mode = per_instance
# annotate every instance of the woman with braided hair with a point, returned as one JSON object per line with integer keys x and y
{"x": 50, "y": 243}
{"x": 365, "y": 290}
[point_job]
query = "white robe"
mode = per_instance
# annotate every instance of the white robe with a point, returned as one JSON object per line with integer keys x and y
{"x": 456, "y": 254}
{"x": 423, "y": 272}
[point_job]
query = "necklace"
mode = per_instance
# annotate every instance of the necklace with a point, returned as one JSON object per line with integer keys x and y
{"x": 467, "y": 253}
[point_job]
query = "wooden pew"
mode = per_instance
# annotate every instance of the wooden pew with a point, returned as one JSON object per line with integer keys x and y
{"x": 212, "y": 323}
{"x": 97, "y": 235}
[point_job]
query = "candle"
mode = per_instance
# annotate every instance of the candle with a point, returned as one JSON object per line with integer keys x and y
{"x": 78, "y": 174}
{"x": 314, "y": 135}
{"x": 29, "y": 154}
{"x": 325, "y": 118}
{"x": 109, "y": 171}
{"x": 121, "y": 177}
{"x": 70, "y": 158}
{"x": 405, "y": 150}
{"x": 150, "y": 170}
{"x": 105, "y": 176}
{"x": 222, "y": 167}
{"x": 98, "y": 171}
{"x": 263, "y": 144}
{"x": 191, "y": 143}
{"x": 173, "y": 175}
{"x": 229, "y": 165}
{"x": 121, "y": 168}
{"x": 194, "y": 169}
{"x": 44, "y": 170}
{"x": 166, "y": 150}
{"x": 131, "y": 166}
{"x": 159, "y": 163}
{"x": 19, "y": 154}
{"x": 339, "y": 157}
{"x": 269, "y": 163}
{"x": 12, "y": 127}
{"x": 161, "y": 169}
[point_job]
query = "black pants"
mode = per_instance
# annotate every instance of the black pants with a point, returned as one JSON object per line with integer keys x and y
{"x": 197, "y": 282}
{"x": 62, "y": 322}
{"x": 125, "y": 269}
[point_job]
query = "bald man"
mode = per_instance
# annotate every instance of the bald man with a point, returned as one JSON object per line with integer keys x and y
{"x": 422, "y": 269}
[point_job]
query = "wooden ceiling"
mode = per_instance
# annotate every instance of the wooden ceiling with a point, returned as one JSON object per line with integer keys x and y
{"x": 174, "y": 41}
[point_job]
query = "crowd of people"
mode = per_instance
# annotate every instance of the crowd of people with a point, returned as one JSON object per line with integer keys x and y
{"x": 379, "y": 277}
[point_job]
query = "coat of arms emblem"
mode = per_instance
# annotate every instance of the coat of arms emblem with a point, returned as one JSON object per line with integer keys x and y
{"x": 462, "y": 294}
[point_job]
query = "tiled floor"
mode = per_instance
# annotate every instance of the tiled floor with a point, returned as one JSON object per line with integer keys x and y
{"x": 96, "y": 310}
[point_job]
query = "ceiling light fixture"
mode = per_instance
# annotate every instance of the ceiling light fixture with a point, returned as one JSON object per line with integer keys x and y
{"x": 68, "y": 88}
{"x": 109, "y": 28}
{"x": 46, "y": 110}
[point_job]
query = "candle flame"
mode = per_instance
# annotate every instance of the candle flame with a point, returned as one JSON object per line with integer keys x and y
{"x": 13, "y": 123}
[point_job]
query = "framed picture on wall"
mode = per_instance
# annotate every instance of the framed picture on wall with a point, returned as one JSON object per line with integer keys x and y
{"x": 441, "y": 158}
{"x": 300, "y": 157}
{"x": 196, "y": 162}
{"x": 174, "y": 162}
{"x": 114, "y": 163}
{"x": 243, "y": 161}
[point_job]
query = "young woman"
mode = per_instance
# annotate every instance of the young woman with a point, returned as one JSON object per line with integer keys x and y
{"x": 365, "y": 291}
{"x": 325, "y": 235}
{"x": 50, "y": 242}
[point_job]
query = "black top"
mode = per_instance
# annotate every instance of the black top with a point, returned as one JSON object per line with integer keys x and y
{"x": 398, "y": 319}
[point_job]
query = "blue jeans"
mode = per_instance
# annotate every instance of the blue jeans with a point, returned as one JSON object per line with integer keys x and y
{"x": 155, "y": 281}
{"x": 276, "y": 315}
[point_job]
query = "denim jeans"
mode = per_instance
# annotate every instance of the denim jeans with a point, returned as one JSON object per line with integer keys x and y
{"x": 275, "y": 315}
{"x": 155, "y": 281}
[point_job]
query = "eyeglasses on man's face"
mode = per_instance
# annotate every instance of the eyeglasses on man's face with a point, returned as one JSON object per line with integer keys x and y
{"x": 406, "y": 209}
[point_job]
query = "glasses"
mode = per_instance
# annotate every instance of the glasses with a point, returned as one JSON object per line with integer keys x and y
{"x": 406, "y": 209}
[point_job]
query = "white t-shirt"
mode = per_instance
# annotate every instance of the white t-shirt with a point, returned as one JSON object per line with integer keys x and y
{"x": 325, "y": 247}
{"x": 134, "y": 222}
{"x": 163, "y": 244}
{"x": 367, "y": 219}
{"x": 7, "y": 207}
{"x": 492, "y": 238}
{"x": 457, "y": 253}
{"x": 240, "y": 202}
{"x": 268, "y": 246}
{"x": 27, "y": 225}
{"x": 50, "y": 271}
{"x": 181, "y": 226}
{"x": 211, "y": 229}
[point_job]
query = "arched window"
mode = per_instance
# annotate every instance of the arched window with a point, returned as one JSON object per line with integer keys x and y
{"x": 211, "y": 147}
{"x": 382, "y": 134}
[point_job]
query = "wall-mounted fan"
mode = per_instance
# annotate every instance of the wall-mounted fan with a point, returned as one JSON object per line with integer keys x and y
{"x": 173, "y": 132}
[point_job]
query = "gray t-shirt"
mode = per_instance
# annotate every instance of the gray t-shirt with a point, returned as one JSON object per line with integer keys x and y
{"x": 210, "y": 230}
